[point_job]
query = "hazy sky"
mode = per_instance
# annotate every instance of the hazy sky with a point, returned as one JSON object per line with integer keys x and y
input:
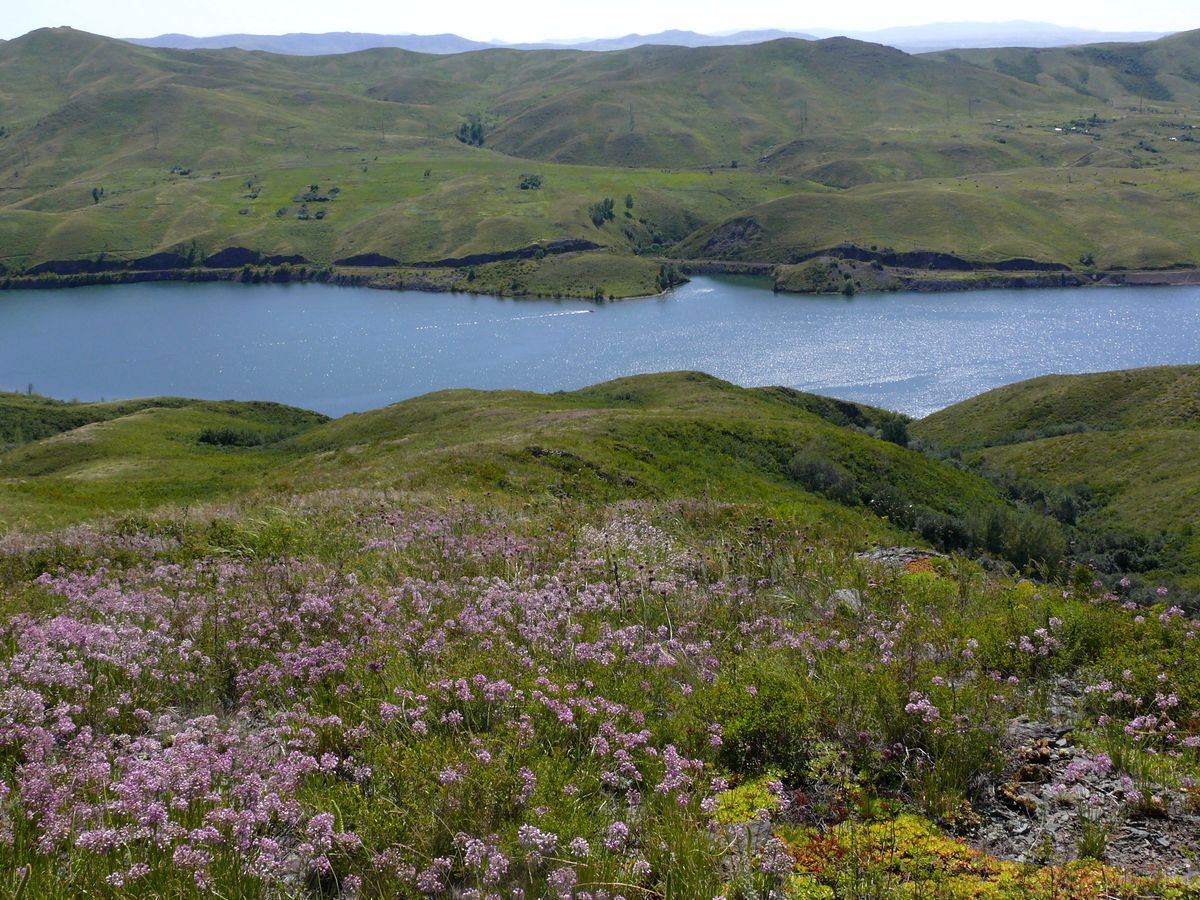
{"x": 529, "y": 20}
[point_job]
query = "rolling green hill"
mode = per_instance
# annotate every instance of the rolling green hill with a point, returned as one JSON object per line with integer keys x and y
{"x": 65, "y": 458}
{"x": 648, "y": 436}
{"x": 643, "y": 438}
{"x": 116, "y": 152}
{"x": 1155, "y": 397}
{"x": 1160, "y": 73}
{"x": 1127, "y": 442}
{"x": 28, "y": 418}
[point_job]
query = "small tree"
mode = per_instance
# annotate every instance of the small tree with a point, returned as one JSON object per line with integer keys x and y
{"x": 895, "y": 429}
{"x": 629, "y": 201}
{"x": 602, "y": 211}
{"x": 471, "y": 132}
{"x": 667, "y": 278}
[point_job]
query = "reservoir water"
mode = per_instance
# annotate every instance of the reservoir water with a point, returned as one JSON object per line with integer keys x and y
{"x": 338, "y": 350}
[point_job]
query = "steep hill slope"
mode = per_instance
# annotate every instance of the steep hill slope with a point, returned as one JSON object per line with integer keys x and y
{"x": 1107, "y": 217}
{"x": 1155, "y": 397}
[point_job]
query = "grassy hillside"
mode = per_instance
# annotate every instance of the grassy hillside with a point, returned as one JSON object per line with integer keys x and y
{"x": 118, "y": 152}
{"x": 631, "y": 639}
{"x": 644, "y": 437}
{"x": 1102, "y": 217}
{"x": 74, "y": 459}
{"x": 1159, "y": 74}
{"x": 649, "y": 438}
{"x": 1127, "y": 443}
{"x": 27, "y": 418}
{"x": 1152, "y": 398}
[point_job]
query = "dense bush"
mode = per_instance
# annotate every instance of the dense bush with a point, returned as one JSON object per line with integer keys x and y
{"x": 668, "y": 277}
{"x": 471, "y": 132}
{"x": 895, "y": 429}
{"x": 822, "y": 475}
{"x": 602, "y": 211}
{"x": 765, "y": 719}
{"x": 234, "y": 437}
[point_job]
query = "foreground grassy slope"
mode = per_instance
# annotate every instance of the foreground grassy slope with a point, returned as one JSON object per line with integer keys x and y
{"x": 591, "y": 644}
{"x": 123, "y": 151}
{"x": 646, "y": 438}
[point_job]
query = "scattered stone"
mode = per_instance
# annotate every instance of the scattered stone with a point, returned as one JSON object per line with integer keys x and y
{"x": 897, "y": 557}
{"x": 849, "y": 598}
{"x": 1028, "y": 818}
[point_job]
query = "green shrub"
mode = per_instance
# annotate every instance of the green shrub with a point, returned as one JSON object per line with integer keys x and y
{"x": 602, "y": 211}
{"x": 765, "y": 718}
{"x": 742, "y": 803}
{"x": 471, "y": 132}
{"x": 233, "y": 437}
{"x": 823, "y": 476}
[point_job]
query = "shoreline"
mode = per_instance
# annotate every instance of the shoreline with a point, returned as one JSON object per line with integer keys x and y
{"x": 818, "y": 277}
{"x": 443, "y": 280}
{"x": 428, "y": 280}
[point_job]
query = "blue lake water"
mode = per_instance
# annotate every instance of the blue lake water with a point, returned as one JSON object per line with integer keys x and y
{"x": 338, "y": 349}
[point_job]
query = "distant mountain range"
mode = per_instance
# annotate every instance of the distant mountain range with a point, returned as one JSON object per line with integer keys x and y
{"x": 300, "y": 44}
{"x": 970, "y": 35}
{"x": 348, "y": 41}
{"x": 911, "y": 39}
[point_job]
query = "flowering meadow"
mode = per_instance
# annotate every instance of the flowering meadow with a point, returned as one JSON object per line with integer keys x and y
{"x": 357, "y": 695}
